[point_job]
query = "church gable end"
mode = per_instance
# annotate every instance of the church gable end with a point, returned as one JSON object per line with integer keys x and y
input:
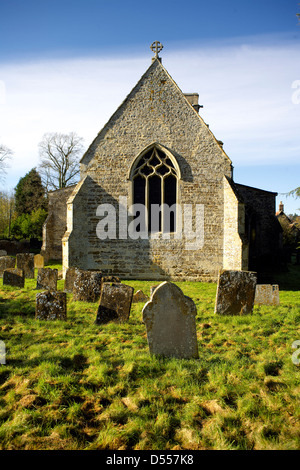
{"x": 155, "y": 110}
{"x": 156, "y": 150}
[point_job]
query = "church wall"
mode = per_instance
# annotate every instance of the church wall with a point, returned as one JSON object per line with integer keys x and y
{"x": 235, "y": 253}
{"x": 156, "y": 111}
{"x": 263, "y": 229}
{"x": 55, "y": 224}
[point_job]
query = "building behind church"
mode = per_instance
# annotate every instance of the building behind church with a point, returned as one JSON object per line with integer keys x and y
{"x": 157, "y": 150}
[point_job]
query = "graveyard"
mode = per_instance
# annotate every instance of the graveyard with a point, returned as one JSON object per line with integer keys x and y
{"x": 81, "y": 379}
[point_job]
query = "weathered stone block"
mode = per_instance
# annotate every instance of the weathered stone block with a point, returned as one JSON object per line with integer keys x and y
{"x": 39, "y": 261}
{"x": 51, "y": 305}
{"x": 266, "y": 294}
{"x": 13, "y": 277}
{"x": 170, "y": 322}
{"x": 235, "y": 292}
{"x": 139, "y": 296}
{"x": 25, "y": 261}
{"x": 87, "y": 286}
{"x": 3, "y": 253}
{"x": 47, "y": 279}
{"x": 115, "y": 303}
{"x": 71, "y": 274}
{"x": 6, "y": 262}
{"x": 110, "y": 279}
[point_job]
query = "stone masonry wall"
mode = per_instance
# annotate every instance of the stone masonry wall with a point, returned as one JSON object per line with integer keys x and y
{"x": 155, "y": 111}
{"x": 55, "y": 224}
{"x": 262, "y": 228}
{"x": 235, "y": 254}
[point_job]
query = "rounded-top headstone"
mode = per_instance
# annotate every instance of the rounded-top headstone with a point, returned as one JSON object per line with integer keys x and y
{"x": 170, "y": 322}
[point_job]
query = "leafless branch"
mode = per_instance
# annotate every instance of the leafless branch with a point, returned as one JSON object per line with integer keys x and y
{"x": 5, "y": 156}
{"x": 59, "y": 159}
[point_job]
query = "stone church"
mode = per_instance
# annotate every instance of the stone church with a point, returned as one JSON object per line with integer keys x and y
{"x": 157, "y": 151}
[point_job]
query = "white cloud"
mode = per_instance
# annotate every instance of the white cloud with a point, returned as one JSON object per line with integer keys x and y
{"x": 246, "y": 91}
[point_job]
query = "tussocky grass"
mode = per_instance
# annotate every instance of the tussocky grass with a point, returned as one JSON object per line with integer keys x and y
{"x": 76, "y": 385}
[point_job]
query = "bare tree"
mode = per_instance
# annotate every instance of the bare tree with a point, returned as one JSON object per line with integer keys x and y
{"x": 5, "y": 156}
{"x": 59, "y": 159}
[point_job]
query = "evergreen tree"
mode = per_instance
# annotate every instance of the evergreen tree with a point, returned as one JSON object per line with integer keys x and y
{"x": 30, "y": 194}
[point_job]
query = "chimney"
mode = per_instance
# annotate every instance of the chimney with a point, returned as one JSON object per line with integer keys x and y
{"x": 281, "y": 207}
{"x": 193, "y": 99}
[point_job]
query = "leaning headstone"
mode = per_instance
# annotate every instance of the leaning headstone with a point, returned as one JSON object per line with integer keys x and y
{"x": 87, "y": 286}
{"x": 266, "y": 294}
{"x": 25, "y": 261}
{"x": 3, "y": 253}
{"x": 51, "y": 305}
{"x": 235, "y": 292}
{"x": 6, "y": 262}
{"x": 115, "y": 303}
{"x": 13, "y": 277}
{"x": 71, "y": 274}
{"x": 47, "y": 279}
{"x": 39, "y": 261}
{"x": 170, "y": 322}
{"x": 139, "y": 296}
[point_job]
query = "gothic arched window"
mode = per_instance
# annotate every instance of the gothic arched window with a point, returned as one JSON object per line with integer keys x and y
{"x": 154, "y": 181}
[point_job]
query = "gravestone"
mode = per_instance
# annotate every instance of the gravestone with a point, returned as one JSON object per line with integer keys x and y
{"x": 139, "y": 296}
{"x": 13, "y": 277}
{"x": 87, "y": 286}
{"x": 6, "y": 262}
{"x": 25, "y": 261}
{"x": 47, "y": 279}
{"x": 39, "y": 261}
{"x": 115, "y": 303}
{"x": 170, "y": 321}
{"x": 71, "y": 274}
{"x": 3, "y": 253}
{"x": 51, "y": 305}
{"x": 110, "y": 279}
{"x": 235, "y": 292}
{"x": 266, "y": 294}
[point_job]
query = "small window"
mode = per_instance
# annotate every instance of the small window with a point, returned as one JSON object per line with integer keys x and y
{"x": 155, "y": 186}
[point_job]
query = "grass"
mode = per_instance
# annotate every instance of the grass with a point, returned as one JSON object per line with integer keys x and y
{"x": 77, "y": 385}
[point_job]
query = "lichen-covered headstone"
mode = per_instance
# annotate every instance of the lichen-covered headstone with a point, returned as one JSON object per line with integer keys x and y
{"x": 139, "y": 296}
{"x": 107, "y": 278}
{"x": 13, "y": 277}
{"x": 170, "y": 321}
{"x": 51, "y": 305}
{"x": 47, "y": 279}
{"x": 6, "y": 262}
{"x": 235, "y": 292}
{"x": 39, "y": 261}
{"x": 266, "y": 294}
{"x": 87, "y": 286}
{"x": 25, "y": 261}
{"x": 115, "y": 303}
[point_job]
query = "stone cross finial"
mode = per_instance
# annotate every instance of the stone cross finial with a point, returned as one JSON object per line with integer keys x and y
{"x": 156, "y": 47}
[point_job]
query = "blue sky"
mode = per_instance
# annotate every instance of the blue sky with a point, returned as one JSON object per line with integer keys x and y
{"x": 67, "y": 65}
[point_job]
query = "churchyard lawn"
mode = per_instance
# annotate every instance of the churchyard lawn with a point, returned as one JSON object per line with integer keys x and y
{"x": 77, "y": 385}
